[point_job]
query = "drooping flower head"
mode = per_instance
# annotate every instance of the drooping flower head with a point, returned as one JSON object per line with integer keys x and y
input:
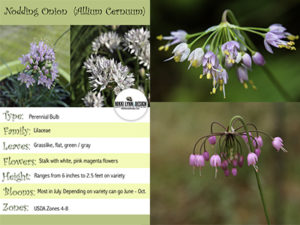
{"x": 224, "y": 46}
{"x": 231, "y": 145}
{"x": 40, "y": 66}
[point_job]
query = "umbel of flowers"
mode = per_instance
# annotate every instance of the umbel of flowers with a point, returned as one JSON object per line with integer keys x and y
{"x": 233, "y": 148}
{"x": 40, "y": 66}
{"x": 225, "y": 46}
{"x": 238, "y": 145}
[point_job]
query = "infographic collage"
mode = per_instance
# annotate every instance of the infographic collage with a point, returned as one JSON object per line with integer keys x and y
{"x": 139, "y": 112}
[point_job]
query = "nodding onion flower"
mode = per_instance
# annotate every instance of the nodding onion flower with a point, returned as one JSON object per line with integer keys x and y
{"x": 225, "y": 46}
{"x": 41, "y": 67}
{"x": 230, "y": 146}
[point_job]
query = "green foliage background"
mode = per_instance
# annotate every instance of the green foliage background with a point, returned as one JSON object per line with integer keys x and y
{"x": 179, "y": 197}
{"x": 173, "y": 82}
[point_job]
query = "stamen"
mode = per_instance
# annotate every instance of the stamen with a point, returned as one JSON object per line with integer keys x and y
{"x": 214, "y": 90}
{"x": 208, "y": 76}
{"x": 201, "y": 76}
{"x": 159, "y": 37}
{"x": 161, "y": 48}
{"x": 209, "y": 66}
{"x": 293, "y": 37}
{"x": 167, "y": 47}
{"x": 245, "y": 85}
{"x": 177, "y": 58}
{"x": 194, "y": 63}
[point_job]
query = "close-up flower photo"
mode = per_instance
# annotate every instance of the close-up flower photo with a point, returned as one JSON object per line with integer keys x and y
{"x": 235, "y": 167}
{"x": 34, "y": 69}
{"x": 108, "y": 60}
{"x": 226, "y": 53}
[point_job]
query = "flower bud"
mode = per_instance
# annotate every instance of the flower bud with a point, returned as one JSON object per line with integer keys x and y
{"x": 258, "y": 59}
{"x": 247, "y": 60}
{"x": 212, "y": 140}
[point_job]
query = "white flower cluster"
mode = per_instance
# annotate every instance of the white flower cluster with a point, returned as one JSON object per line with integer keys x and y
{"x": 106, "y": 72}
{"x": 117, "y": 60}
{"x": 93, "y": 99}
{"x": 137, "y": 42}
{"x": 110, "y": 40}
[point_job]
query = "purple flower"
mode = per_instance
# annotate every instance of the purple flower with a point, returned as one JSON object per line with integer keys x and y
{"x": 206, "y": 155}
{"x": 234, "y": 171}
{"x": 212, "y": 140}
{"x": 226, "y": 172}
{"x": 241, "y": 161}
{"x": 278, "y": 144}
{"x": 175, "y": 37}
{"x": 39, "y": 57}
{"x": 245, "y": 137}
{"x": 247, "y": 60}
{"x": 258, "y": 59}
{"x": 275, "y": 38}
{"x": 235, "y": 162}
{"x": 199, "y": 161}
{"x": 258, "y": 141}
{"x": 210, "y": 65}
{"x": 215, "y": 160}
{"x": 192, "y": 160}
{"x": 224, "y": 165}
{"x": 26, "y": 79}
{"x": 230, "y": 50}
{"x": 277, "y": 28}
{"x": 257, "y": 152}
{"x": 242, "y": 74}
{"x": 252, "y": 158}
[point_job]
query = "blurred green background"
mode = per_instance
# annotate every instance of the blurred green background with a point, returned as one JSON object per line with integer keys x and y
{"x": 15, "y": 41}
{"x": 173, "y": 82}
{"x": 179, "y": 197}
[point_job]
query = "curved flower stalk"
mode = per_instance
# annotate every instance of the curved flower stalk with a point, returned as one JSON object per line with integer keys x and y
{"x": 41, "y": 67}
{"x": 120, "y": 60}
{"x": 226, "y": 47}
{"x": 231, "y": 146}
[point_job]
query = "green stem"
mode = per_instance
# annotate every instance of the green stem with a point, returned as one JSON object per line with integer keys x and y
{"x": 239, "y": 118}
{"x": 252, "y": 31}
{"x": 262, "y": 196}
{"x": 60, "y": 37}
{"x": 188, "y": 36}
{"x": 210, "y": 36}
{"x": 198, "y": 38}
{"x": 120, "y": 57}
